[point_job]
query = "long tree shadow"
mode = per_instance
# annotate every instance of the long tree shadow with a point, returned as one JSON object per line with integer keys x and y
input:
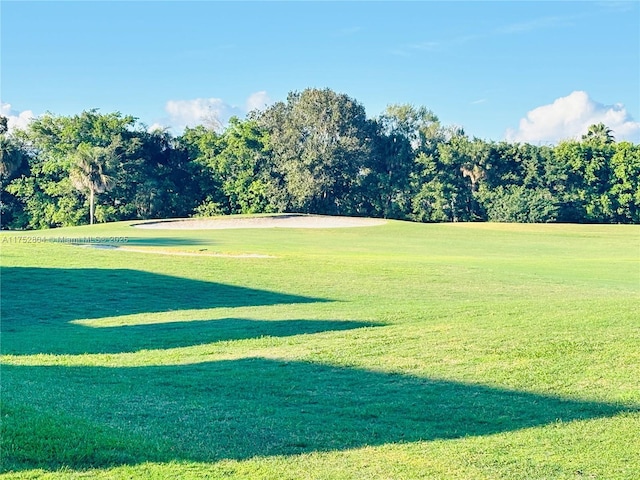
{"x": 53, "y": 297}
{"x": 238, "y": 409}
{"x": 122, "y": 241}
{"x": 39, "y": 305}
{"x": 164, "y": 241}
{"x": 72, "y": 339}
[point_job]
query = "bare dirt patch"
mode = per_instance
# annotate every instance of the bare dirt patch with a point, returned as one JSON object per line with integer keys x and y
{"x": 272, "y": 221}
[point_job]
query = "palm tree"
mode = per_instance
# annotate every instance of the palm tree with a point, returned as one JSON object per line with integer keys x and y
{"x": 600, "y": 133}
{"x": 88, "y": 173}
{"x": 475, "y": 173}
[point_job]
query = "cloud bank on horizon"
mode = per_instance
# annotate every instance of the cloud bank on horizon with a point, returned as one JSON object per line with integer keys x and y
{"x": 16, "y": 120}
{"x": 565, "y": 118}
{"x": 210, "y": 112}
{"x": 570, "y": 117}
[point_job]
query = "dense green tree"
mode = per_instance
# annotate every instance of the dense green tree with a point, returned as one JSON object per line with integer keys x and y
{"x": 319, "y": 142}
{"x": 404, "y": 132}
{"x": 316, "y": 153}
{"x": 436, "y": 201}
{"x": 517, "y": 203}
{"x": 151, "y": 176}
{"x": 513, "y": 186}
{"x": 203, "y": 146}
{"x": 46, "y": 192}
{"x": 245, "y": 169}
{"x": 13, "y": 164}
{"x": 625, "y": 189}
{"x": 235, "y": 175}
{"x": 449, "y": 180}
{"x": 155, "y": 177}
{"x": 587, "y": 195}
{"x": 12, "y": 157}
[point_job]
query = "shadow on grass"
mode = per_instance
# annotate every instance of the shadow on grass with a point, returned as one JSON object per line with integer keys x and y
{"x": 74, "y": 339}
{"x": 39, "y": 304}
{"x": 238, "y": 409}
{"x": 58, "y": 295}
{"x": 163, "y": 242}
{"x": 93, "y": 417}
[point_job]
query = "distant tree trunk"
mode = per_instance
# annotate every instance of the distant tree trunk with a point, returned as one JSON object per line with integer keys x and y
{"x": 91, "y": 206}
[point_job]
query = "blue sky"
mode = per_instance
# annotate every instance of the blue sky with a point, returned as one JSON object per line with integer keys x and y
{"x": 523, "y": 71}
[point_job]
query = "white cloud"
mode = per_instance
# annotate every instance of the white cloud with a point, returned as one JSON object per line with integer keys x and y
{"x": 570, "y": 117}
{"x": 156, "y": 126}
{"x": 211, "y": 112}
{"x": 258, "y": 101}
{"x": 17, "y": 120}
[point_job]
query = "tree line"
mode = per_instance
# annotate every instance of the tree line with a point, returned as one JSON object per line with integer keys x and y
{"x": 317, "y": 152}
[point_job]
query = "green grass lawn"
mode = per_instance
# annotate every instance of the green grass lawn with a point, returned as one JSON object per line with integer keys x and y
{"x": 403, "y": 351}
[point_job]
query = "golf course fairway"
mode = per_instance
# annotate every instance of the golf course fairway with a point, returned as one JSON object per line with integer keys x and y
{"x": 390, "y": 350}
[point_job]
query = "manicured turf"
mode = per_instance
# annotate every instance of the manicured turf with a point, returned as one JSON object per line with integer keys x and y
{"x": 453, "y": 351}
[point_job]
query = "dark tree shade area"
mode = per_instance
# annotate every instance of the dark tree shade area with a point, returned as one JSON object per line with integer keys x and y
{"x": 316, "y": 152}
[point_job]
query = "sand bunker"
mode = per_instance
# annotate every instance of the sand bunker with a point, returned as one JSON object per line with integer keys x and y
{"x": 273, "y": 221}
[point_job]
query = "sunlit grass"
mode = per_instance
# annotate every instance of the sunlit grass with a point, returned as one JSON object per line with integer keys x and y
{"x": 398, "y": 351}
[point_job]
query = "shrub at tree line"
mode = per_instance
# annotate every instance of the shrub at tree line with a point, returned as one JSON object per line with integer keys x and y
{"x": 316, "y": 152}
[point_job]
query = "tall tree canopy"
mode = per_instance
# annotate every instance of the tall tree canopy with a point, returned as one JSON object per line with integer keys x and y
{"x": 404, "y": 133}
{"x": 319, "y": 141}
{"x": 316, "y": 152}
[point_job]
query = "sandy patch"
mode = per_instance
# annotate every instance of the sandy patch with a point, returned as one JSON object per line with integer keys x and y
{"x": 274, "y": 221}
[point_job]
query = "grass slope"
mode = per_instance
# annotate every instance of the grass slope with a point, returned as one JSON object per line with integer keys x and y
{"x": 454, "y": 351}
